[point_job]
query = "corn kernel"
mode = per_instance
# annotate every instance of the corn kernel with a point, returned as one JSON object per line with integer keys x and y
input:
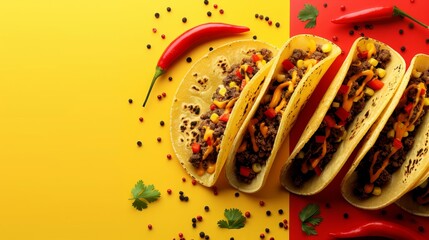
{"x": 214, "y": 118}
{"x": 411, "y": 128}
{"x": 261, "y": 63}
{"x": 376, "y": 191}
{"x": 281, "y": 77}
{"x": 380, "y": 72}
{"x": 220, "y": 104}
{"x": 309, "y": 62}
{"x": 335, "y": 104}
{"x": 256, "y": 167}
{"x": 300, "y": 63}
{"x": 369, "y": 91}
{"x": 222, "y": 91}
{"x": 391, "y": 133}
{"x": 416, "y": 74}
{"x": 327, "y": 47}
{"x": 405, "y": 134}
{"x": 373, "y": 61}
{"x": 300, "y": 155}
{"x": 426, "y": 101}
{"x": 232, "y": 84}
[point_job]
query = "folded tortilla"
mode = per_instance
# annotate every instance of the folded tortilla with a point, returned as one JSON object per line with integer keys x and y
{"x": 414, "y": 166}
{"x": 194, "y": 98}
{"x": 290, "y": 100}
{"x": 357, "y": 127}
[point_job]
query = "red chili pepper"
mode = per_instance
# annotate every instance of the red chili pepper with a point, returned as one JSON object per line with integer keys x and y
{"x": 245, "y": 171}
{"x": 188, "y": 39}
{"x": 270, "y": 113}
{"x": 380, "y": 229}
{"x": 287, "y": 64}
{"x": 375, "y": 84}
{"x": 196, "y": 147}
{"x": 375, "y": 14}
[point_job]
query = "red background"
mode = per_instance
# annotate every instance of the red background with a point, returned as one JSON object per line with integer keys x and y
{"x": 387, "y": 31}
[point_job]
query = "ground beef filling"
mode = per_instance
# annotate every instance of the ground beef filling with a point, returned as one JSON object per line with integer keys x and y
{"x": 395, "y": 140}
{"x": 349, "y": 102}
{"x": 259, "y": 138}
{"x": 421, "y": 194}
{"x": 206, "y": 145}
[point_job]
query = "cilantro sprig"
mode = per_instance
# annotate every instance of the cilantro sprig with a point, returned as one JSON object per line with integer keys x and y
{"x": 235, "y": 219}
{"x": 142, "y": 195}
{"x": 308, "y": 13}
{"x": 309, "y": 218}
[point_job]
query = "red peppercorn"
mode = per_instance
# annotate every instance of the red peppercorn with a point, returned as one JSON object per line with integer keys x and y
{"x": 194, "y": 182}
{"x": 342, "y": 7}
{"x": 149, "y": 226}
{"x": 164, "y": 94}
{"x": 168, "y": 156}
{"x": 335, "y": 38}
{"x": 261, "y": 203}
{"x": 163, "y": 36}
{"x": 247, "y": 214}
{"x": 169, "y": 191}
{"x": 180, "y": 235}
{"x": 286, "y": 226}
{"x": 270, "y": 22}
{"x": 221, "y": 11}
{"x": 158, "y": 139}
{"x": 154, "y": 30}
{"x": 183, "y": 179}
{"x": 159, "y": 97}
{"x": 262, "y": 236}
{"x": 141, "y": 119}
{"x": 271, "y": 238}
{"x": 285, "y": 221}
{"x": 199, "y": 218}
{"x": 215, "y": 6}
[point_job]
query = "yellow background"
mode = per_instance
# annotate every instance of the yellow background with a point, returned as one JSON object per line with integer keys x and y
{"x": 68, "y": 153}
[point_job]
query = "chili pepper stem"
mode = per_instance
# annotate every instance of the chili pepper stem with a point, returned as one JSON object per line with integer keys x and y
{"x": 399, "y": 12}
{"x": 158, "y": 72}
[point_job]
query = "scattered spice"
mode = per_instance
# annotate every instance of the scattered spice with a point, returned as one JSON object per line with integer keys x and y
{"x": 403, "y": 49}
{"x": 256, "y": 15}
{"x": 281, "y": 224}
{"x": 261, "y": 203}
{"x": 267, "y": 230}
{"x": 154, "y": 30}
{"x": 141, "y": 119}
{"x": 210, "y": 49}
{"x": 206, "y": 2}
{"x": 215, "y": 6}
{"x": 427, "y": 40}
{"x": 183, "y": 179}
{"x": 202, "y": 234}
{"x": 270, "y": 22}
{"x": 345, "y": 215}
{"x": 169, "y": 191}
{"x": 163, "y": 36}
{"x": 188, "y": 59}
{"x": 268, "y": 213}
{"x": 261, "y": 17}
{"x": 209, "y": 13}
{"x": 158, "y": 139}
{"x": 221, "y": 11}
{"x": 157, "y": 15}
{"x": 130, "y": 101}
{"x": 139, "y": 143}
{"x": 280, "y": 211}
{"x": 325, "y": 5}
{"x": 159, "y": 97}
{"x": 421, "y": 229}
{"x": 343, "y": 8}
{"x": 334, "y": 38}
{"x": 277, "y": 24}
{"x": 206, "y": 208}
{"x": 184, "y": 20}
{"x": 247, "y": 214}
{"x": 410, "y": 25}
{"x": 168, "y": 9}
{"x": 237, "y": 194}
{"x": 262, "y": 236}
{"x": 351, "y": 32}
{"x": 169, "y": 156}
{"x": 149, "y": 226}
{"x": 401, "y": 31}
{"x": 267, "y": 18}
{"x": 194, "y": 182}
{"x": 161, "y": 123}
{"x": 255, "y": 37}
{"x": 164, "y": 94}
{"x": 199, "y": 218}
{"x": 148, "y": 46}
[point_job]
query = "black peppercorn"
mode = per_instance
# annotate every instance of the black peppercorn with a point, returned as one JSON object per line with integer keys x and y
{"x": 168, "y": 9}
{"x": 209, "y": 13}
{"x": 277, "y": 24}
{"x": 188, "y": 59}
{"x": 157, "y": 15}
{"x": 184, "y": 20}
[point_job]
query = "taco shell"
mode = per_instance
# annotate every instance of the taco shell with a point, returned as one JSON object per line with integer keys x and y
{"x": 416, "y": 163}
{"x": 194, "y": 96}
{"x": 299, "y": 97}
{"x": 357, "y": 128}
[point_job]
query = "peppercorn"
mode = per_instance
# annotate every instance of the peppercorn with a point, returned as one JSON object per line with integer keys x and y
{"x": 180, "y": 192}
{"x": 159, "y": 96}
{"x": 149, "y": 226}
{"x": 261, "y": 203}
{"x": 183, "y": 179}
{"x": 186, "y": 198}
{"x": 255, "y": 37}
{"x": 161, "y": 123}
{"x": 202, "y": 234}
{"x": 130, "y": 101}
{"x": 277, "y": 24}
{"x": 207, "y": 237}
{"x": 210, "y": 49}
{"x": 221, "y": 11}
{"x": 427, "y": 40}
{"x": 271, "y": 238}
{"x": 170, "y": 79}
{"x": 194, "y": 225}
{"x": 157, "y": 15}
{"x": 168, "y": 156}
{"x": 169, "y": 191}
{"x": 168, "y": 9}
{"x": 180, "y": 235}
{"x": 184, "y": 20}
{"x": 141, "y": 119}
{"x": 148, "y": 46}
{"x": 194, "y": 220}
{"x": 325, "y": 5}
{"x": 247, "y": 214}
{"x": 163, "y": 36}
{"x": 268, "y": 213}
{"x": 236, "y": 194}
{"x": 158, "y": 139}
{"x": 188, "y": 59}
{"x": 362, "y": 34}
{"x": 262, "y": 236}
{"x": 403, "y": 49}
{"x": 401, "y": 31}
{"x": 206, "y": 208}
{"x": 139, "y": 143}
{"x": 261, "y": 17}
{"x": 280, "y": 211}
{"x": 351, "y": 32}
{"x": 421, "y": 229}
{"x": 199, "y": 218}
{"x": 410, "y": 25}
{"x": 215, "y": 6}
{"x": 206, "y": 2}
{"x": 369, "y": 26}
{"x": 231, "y": 238}
{"x": 285, "y": 221}
{"x": 267, "y": 18}
{"x": 270, "y": 22}
{"x": 281, "y": 224}
{"x": 154, "y": 30}
{"x": 256, "y": 15}
{"x": 209, "y": 13}
{"x": 267, "y": 230}
{"x": 346, "y": 215}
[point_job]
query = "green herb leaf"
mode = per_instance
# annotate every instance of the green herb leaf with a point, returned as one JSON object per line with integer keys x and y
{"x": 142, "y": 195}
{"x": 308, "y": 13}
{"x": 309, "y": 218}
{"x": 235, "y": 219}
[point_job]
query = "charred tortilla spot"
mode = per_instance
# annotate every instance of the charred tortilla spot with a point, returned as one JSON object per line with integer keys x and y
{"x": 195, "y": 88}
{"x": 367, "y": 114}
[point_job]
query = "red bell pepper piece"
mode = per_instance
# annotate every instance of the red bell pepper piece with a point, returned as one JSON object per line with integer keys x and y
{"x": 344, "y": 89}
{"x": 209, "y": 141}
{"x": 342, "y": 113}
{"x": 423, "y": 92}
{"x": 287, "y": 64}
{"x": 245, "y": 171}
{"x": 212, "y": 106}
{"x": 397, "y": 143}
{"x": 224, "y": 117}
{"x": 249, "y": 69}
{"x": 363, "y": 55}
{"x": 196, "y": 147}
{"x": 255, "y": 58}
{"x": 375, "y": 84}
{"x": 408, "y": 108}
{"x": 320, "y": 139}
{"x": 270, "y": 113}
{"x": 330, "y": 121}
{"x": 238, "y": 74}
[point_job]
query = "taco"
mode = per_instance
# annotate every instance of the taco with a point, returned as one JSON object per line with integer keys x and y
{"x": 301, "y": 63}
{"x": 357, "y": 95}
{"x": 211, "y": 103}
{"x": 417, "y": 200}
{"x": 392, "y": 159}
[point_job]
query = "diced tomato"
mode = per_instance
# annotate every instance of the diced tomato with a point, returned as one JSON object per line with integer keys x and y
{"x": 209, "y": 141}
{"x": 249, "y": 69}
{"x": 270, "y": 113}
{"x": 318, "y": 170}
{"x": 238, "y": 74}
{"x": 212, "y": 106}
{"x": 320, "y": 139}
{"x": 375, "y": 84}
{"x": 397, "y": 143}
{"x": 363, "y": 55}
{"x": 344, "y": 89}
{"x": 287, "y": 64}
{"x": 330, "y": 121}
{"x": 245, "y": 171}
{"x": 255, "y": 58}
{"x": 423, "y": 92}
{"x": 342, "y": 113}
{"x": 196, "y": 147}
{"x": 224, "y": 117}
{"x": 408, "y": 108}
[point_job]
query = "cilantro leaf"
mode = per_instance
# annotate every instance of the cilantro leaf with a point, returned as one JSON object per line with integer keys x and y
{"x": 235, "y": 219}
{"x": 308, "y": 13}
{"x": 142, "y": 195}
{"x": 309, "y": 218}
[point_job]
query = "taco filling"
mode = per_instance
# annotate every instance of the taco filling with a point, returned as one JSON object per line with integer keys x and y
{"x": 262, "y": 129}
{"x": 421, "y": 193}
{"x": 363, "y": 78}
{"x": 206, "y": 145}
{"x": 395, "y": 140}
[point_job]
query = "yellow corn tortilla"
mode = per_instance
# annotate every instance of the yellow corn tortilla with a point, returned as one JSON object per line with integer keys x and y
{"x": 197, "y": 88}
{"x": 301, "y": 94}
{"x": 356, "y": 130}
{"x": 415, "y": 164}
